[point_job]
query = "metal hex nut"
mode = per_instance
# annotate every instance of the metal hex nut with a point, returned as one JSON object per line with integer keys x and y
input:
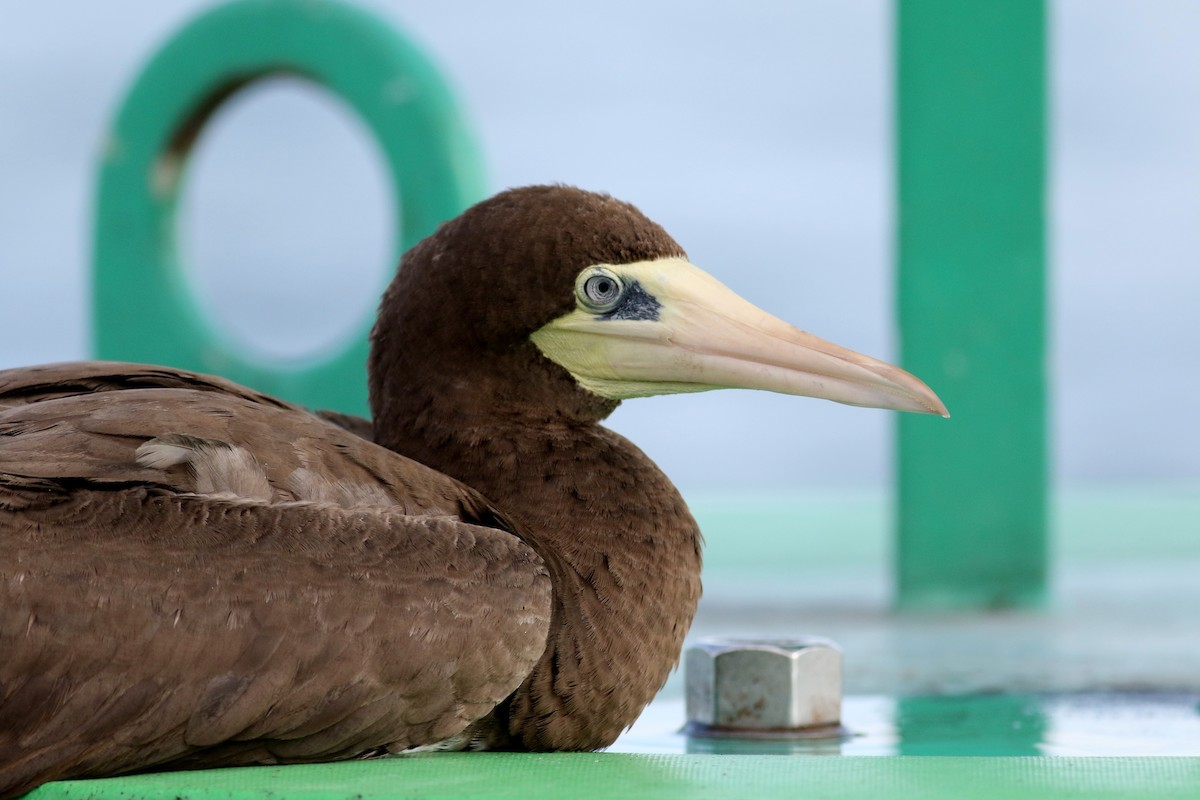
{"x": 740, "y": 685}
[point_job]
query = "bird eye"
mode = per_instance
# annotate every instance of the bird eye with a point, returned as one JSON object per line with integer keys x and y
{"x": 600, "y": 291}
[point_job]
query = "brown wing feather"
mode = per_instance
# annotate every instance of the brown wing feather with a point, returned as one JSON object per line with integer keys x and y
{"x": 94, "y": 436}
{"x": 144, "y": 627}
{"x": 48, "y": 381}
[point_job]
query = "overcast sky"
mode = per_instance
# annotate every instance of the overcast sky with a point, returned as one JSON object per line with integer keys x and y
{"x": 761, "y": 140}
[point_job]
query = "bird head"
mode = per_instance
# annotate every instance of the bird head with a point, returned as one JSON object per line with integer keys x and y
{"x": 590, "y": 289}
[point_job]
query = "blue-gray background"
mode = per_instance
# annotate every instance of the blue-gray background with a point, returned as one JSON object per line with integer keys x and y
{"x": 759, "y": 134}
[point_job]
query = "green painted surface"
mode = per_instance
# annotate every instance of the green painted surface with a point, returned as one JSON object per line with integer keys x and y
{"x": 653, "y": 776}
{"x": 971, "y": 292}
{"x": 143, "y": 309}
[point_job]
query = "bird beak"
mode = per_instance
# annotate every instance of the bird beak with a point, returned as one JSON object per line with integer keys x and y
{"x": 678, "y": 329}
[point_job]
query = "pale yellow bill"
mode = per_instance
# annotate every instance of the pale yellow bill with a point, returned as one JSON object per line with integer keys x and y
{"x": 707, "y": 337}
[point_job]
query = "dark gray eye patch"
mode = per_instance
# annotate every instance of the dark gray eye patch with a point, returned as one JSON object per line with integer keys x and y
{"x": 637, "y": 304}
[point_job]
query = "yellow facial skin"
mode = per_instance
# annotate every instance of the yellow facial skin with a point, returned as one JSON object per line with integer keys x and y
{"x": 703, "y": 336}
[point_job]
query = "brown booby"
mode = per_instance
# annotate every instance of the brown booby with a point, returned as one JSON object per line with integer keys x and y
{"x": 196, "y": 574}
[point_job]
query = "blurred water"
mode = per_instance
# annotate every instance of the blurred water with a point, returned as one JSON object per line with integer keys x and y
{"x": 760, "y": 139}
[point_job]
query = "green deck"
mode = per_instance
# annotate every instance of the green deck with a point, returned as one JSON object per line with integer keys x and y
{"x": 621, "y": 777}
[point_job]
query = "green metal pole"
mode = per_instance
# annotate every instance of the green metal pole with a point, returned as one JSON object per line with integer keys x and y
{"x": 971, "y": 181}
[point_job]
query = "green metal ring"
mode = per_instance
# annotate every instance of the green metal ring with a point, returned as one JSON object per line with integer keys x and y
{"x": 143, "y": 307}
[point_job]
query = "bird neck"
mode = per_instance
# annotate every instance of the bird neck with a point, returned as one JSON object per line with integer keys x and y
{"x": 621, "y": 546}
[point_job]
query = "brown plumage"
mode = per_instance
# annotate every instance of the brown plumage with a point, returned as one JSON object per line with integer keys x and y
{"x": 195, "y": 574}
